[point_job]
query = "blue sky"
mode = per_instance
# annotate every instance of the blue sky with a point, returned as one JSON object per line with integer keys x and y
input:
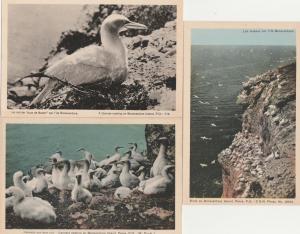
{"x": 243, "y": 37}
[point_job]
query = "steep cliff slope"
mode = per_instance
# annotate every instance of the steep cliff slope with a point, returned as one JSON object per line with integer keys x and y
{"x": 260, "y": 162}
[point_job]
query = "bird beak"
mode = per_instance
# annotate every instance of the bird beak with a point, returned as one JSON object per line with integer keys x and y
{"x": 133, "y": 25}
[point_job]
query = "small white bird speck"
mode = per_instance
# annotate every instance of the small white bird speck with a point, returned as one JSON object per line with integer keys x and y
{"x": 206, "y": 138}
{"x": 213, "y": 162}
{"x": 213, "y": 125}
{"x": 203, "y": 165}
{"x": 204, "y": 103}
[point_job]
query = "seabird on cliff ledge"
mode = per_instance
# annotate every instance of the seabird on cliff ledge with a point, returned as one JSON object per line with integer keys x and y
{"x": 106, "y": 63}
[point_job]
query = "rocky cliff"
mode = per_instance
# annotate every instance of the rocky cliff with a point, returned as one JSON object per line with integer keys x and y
{"x": 260, "y": 162}
{"x": 151, "y": 79}
{"x": 155, "y": 131}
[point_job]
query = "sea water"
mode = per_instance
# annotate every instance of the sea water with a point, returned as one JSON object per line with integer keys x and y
{"x": 217, "y": 76}
{"x": 28, "y": 145}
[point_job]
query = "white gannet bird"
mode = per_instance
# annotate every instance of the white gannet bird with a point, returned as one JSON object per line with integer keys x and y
{"x": 158, "y": 184}
{"x": 122, "y": 193}
{"x": 73, "y": 169}
{"x": 113, "y": 169}
{"x": 137, "y": 155}
{"x": 106, "y": 63}
{"x": 103, "y": 162}
{"x": 18, "y": 182}
{"x": 65, "y": 182}
{"x": 116, "y": 156}
{"x": 80, "y": 194}
{"x": 142, "y": 175}
{"x": 128, "y": 179}
{"x": 134, "y": 164}
{"x": 85, "y": 176}
{"x": 31, "y": 208}
{"x": 9, "y": 202}
{"x": 111, "y": 180}
{"x": 56, "y": 157}
{"x": 90, "y": 157}
{"x": 161, "y": 160}
{"x": 39, "y": 183}
{"x": 100, "y": 173}
{"x": 95, "y": 183}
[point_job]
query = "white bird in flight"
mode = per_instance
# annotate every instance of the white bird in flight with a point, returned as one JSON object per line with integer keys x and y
{"x": 105, "y": 64}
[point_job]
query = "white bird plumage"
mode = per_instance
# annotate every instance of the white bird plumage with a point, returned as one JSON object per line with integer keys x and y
{"x": 161, "y": 161}
{"x": 127, "y": 179}
{"x": 39, "y": 183}
{"x": 106, "y": 63}
{"x": 18, "y": 182}
{"x": 31, "y": 208}
{"x": 80, "y": 194}
{"x": 158, "y": 184}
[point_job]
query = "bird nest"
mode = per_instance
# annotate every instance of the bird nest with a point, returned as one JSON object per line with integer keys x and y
{"x": 133, "y": 96}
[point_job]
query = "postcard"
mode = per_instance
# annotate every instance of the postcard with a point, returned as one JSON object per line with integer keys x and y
{"x": 240, "y": 113}
{"x": 85, "y": 59}
{"x": 91, "y": 176}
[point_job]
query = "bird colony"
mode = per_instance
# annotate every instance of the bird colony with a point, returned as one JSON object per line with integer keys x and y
{"x": 127, "y": 174}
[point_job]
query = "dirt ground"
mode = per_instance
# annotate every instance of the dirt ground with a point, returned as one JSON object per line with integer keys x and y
{"x": 104, "y": 212}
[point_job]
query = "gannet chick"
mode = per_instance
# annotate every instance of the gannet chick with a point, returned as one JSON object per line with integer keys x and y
{"x": 31, "y": 208}
{"x": 89, "y": 156}
{"x": 80, "y": 194}
{"x": 122, "y": 193}
{"x": 127, "y": 179}
{"x": 18, "y": 182}
{"x": 158, "y": 184}
{"x": 161, "y": 160}
{"x": 65, "y": 182}
{"x": 106, "y": 63}
{"x": 39, "y": 183}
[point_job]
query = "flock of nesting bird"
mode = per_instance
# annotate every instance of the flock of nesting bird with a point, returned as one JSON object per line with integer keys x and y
{"x": 127, "y": 173}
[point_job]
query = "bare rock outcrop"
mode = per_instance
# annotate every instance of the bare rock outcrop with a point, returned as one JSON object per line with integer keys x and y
{"x": 260, "y": 162}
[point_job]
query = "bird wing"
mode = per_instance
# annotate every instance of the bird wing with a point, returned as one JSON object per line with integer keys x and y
{"x": 85, "y": 66}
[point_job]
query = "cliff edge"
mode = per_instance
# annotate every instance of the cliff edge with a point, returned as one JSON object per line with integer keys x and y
{"x": 260, "y": 162}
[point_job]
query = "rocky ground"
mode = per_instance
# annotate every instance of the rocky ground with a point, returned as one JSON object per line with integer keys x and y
{"x": 151, "y": 80}
{"x": 104, "y": 212}
{"x": 260, "y": 162}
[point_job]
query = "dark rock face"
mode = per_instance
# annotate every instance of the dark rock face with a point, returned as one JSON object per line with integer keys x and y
{"x": 151, "y": 79}
{"x": 261, "y": 159}
{"x": 155, "y": 131}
